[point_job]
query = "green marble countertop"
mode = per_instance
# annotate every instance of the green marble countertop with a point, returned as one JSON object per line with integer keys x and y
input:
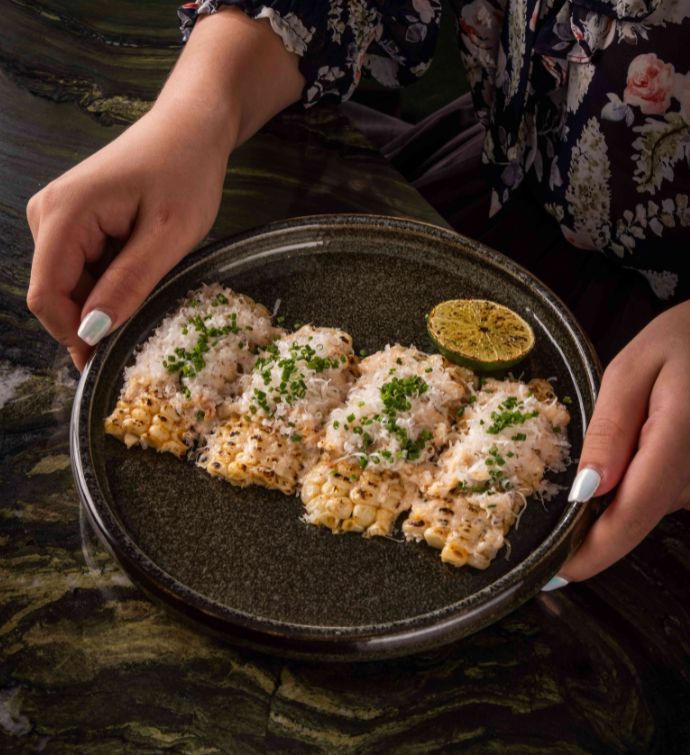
{"x": 88, "y": 664}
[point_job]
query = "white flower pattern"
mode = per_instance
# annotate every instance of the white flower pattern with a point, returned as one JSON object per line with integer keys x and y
{"x": 580, "y": 96}
{"x": 588, "y": 193}
{"x": 580, "y": 76}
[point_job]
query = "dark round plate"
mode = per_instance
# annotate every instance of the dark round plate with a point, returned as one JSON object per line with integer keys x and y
{"x": 241, "y": 562}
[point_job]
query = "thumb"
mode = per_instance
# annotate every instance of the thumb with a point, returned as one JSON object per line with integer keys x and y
{"x": 152, "y": 250}
{"x": 613, "y": 431}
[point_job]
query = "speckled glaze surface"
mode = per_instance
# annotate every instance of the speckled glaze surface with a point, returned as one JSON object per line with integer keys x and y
{"x": 240, "y": 560}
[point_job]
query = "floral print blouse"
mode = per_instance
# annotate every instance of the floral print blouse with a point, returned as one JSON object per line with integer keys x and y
{"x": 587, "y": 100}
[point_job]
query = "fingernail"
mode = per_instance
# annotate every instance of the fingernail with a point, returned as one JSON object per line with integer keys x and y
{"x": 554, "y": 584}
{"x": 584, "y": 486}
{"x": 94, "y": 326}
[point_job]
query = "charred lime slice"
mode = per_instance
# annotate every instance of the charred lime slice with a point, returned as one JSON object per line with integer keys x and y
{"x": 479, "y": 334}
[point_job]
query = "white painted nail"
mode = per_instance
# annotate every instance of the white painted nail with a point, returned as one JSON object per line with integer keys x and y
{"x": 555, "y": 584}
{"x": 94, "y": 326}
{"x": 585, "y": 485}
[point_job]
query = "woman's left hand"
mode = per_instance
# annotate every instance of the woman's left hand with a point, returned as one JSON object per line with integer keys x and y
{"x": 638, "y": 439}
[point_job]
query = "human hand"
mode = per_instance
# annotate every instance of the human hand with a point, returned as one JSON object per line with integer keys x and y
{"x": 156, "y": 188}
{"x": 639, "y": 439}
{"x": 152, "y": 190}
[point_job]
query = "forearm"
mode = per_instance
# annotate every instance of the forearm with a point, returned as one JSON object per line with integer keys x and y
{"x": 233, "y": 75}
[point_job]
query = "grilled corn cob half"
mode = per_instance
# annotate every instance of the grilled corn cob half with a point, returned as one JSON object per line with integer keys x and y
{"x": 272, "y": 437}
{"x": 188, "y": 367}
{"x": 509, "y": 435}
{"x": 396, "y": 419}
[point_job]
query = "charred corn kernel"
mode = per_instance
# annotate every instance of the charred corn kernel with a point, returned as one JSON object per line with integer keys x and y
{"x": 174, "y": 447}
{"x": 348, "y": 525}
{"x": 224, "y": 412}
{"x": 383, "y": 524}
{"x": 454, "y": 553}
{"x": 158, "y": 434}
{"x": 134, "y": 426}
{"x": 329, "y": 521}
{"x": 245, "y": 452}
{"x": 341, "y": 508}
{"x": 378, "y": 529}
{"x": 169, "y": 413}
{"x": 477, "y": 560}
{"x": 542, "y": 389}
{"x": 466, "y": 529}
{"x": 344, "y": 498}
{"x": 310, "y": 491}
{"x": 436, "y": 536}
{"x": 217, "y": 469}
{"x": 149, "y": 421}
{"x": 363, "y": 515}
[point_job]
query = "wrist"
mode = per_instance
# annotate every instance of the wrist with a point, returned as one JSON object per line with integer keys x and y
{"x": 208, "y": 121}
{"x": 233, "y": 75}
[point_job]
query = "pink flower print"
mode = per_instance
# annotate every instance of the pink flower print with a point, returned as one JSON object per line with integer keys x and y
{"x": 649, "y": 84}
{"x": 480, "y": 21}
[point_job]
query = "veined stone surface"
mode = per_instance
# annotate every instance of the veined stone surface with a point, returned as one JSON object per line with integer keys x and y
{"x": 89, "y": 664}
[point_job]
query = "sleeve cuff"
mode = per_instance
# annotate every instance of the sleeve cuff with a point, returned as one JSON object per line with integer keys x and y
{"x": 335, "y": 42}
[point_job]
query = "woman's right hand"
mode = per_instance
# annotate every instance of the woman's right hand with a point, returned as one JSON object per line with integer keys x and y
{"x": 156, "y": 190}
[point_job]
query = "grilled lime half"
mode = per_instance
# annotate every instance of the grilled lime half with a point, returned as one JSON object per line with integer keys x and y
{"x": 480, "y": 334}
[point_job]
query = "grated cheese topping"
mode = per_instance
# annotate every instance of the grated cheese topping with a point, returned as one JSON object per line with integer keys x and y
{"x": 196, "y": 355}
{"x": 298, "y": 379}
{"x": 508, "y": 438}
{"x": 400, "y": 410}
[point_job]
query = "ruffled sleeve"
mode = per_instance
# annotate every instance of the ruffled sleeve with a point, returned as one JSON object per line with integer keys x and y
{"x": 340, "y": 39}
